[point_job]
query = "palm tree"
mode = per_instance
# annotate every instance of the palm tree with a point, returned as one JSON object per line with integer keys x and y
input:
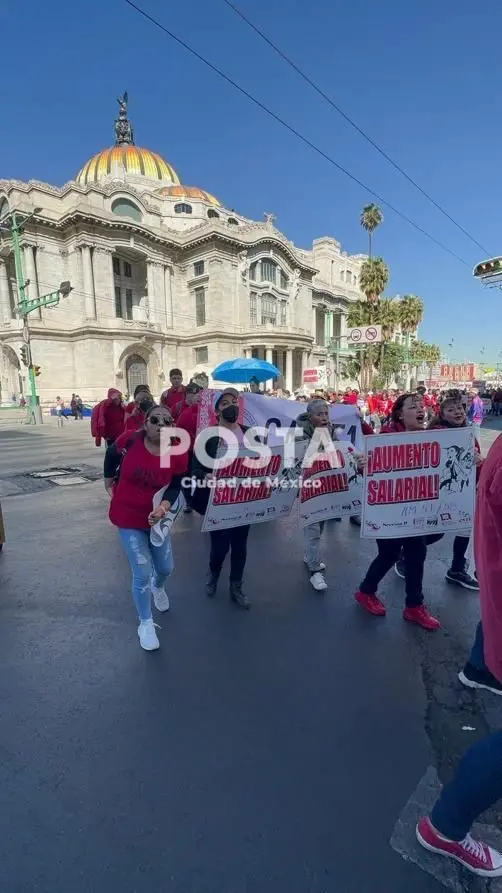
{"x": 432, "y": 357}
{"x": 371, "y": 217}
{"x": 386, "y": 315}
{"x": 411, "y": 314}
{"x": 373, "y": 277}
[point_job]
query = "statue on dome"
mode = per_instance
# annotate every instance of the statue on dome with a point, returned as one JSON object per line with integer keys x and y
{"x": 123, "y": 131}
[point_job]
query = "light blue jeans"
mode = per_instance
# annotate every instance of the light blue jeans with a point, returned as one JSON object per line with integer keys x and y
{"x": 146, "y": 561}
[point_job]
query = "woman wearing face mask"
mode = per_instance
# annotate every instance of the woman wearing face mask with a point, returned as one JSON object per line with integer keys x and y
{"x": 141, "y": 476}
{"x": 226, "y": 408}
{"x": 408, "y": 414}
{"x": 143, "y": 402}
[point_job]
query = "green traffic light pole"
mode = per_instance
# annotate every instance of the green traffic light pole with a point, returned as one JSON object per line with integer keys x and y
{"x": 26, "y": 306}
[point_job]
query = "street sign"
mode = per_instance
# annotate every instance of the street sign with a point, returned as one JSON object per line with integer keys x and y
{"x": 26, "y": 335}
{"x": 365, "y": 335}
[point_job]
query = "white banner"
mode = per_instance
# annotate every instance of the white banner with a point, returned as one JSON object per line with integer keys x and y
{"x": 240, "y": 495}
{"x": 257, "y": 410}
{"x": 331, "y": 492}
{"x": 419, "y": 483}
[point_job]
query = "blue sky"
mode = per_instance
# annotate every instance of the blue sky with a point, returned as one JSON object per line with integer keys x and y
{"x": 423, "y": 79}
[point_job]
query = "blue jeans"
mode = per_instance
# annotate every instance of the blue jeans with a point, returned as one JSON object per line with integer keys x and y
{"x": 146, "y": 561}
{"x": 476, "y": 786}
{"x": 477, "y": 655}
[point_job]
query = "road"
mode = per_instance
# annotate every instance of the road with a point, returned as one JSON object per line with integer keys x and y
{"x": 263, "y": 752}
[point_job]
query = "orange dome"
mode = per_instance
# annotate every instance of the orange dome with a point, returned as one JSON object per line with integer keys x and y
{"x": 123, "y": 160}
{"x": 192, "y": 192}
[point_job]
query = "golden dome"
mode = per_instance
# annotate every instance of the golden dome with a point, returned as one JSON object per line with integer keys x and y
{"x": 192, "y": 192}
{"x": 123, "y": 161}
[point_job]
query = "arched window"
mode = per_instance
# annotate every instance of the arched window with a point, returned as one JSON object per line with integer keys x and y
{"x": 233, "y": 221}
{"x": 252, "y": 271}
{"x": 123, "y": 207}
{"x": 4, "y": 206}
{"x": 136, "y": 372}
{"x": 268, "y": 309}
{"x": 342, "y": 275}
{"x": 348, "y": 277}
{"x": 182, "y": 208}
{"x": 268, "y": 270}
{"x": 212, "y": 213}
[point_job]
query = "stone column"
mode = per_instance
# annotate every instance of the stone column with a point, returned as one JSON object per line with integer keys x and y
{"x": 89, "y": 294}
{"x": 269, "y": 359}
{"x": 5, "y": 305}
{"x": 314, "y": 323}
{"x": 30, "y": 272}
{"x": 289, "y": 369}
{"x": 248, "y": 353}
{"x": 168, "y": 295}
{"x": 104, "y": 283}
{"x": 153, "y": 312}
{"x": 305, "y": 363}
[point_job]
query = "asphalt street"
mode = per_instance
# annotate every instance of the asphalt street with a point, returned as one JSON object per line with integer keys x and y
{"x": 263, "y": 752}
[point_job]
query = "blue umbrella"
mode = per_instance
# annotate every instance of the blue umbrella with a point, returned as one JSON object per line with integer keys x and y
{"x": 241, "y": 371}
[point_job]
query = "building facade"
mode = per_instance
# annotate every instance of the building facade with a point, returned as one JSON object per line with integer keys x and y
{"x": 163, "y": 275}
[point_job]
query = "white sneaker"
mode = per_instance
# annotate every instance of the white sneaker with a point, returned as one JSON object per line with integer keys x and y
{"x": 160, "y": 596}
{"x": 318, "y": 582}
{"x": 147, "y": 635}
{"x": 322, "y": 566}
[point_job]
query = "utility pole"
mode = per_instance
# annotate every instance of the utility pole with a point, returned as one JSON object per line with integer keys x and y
{"x": 14, "y": 225}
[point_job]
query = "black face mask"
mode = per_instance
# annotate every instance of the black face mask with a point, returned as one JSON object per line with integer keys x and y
{"x": 230, "y": 413}
{"x": 145, "y": 405}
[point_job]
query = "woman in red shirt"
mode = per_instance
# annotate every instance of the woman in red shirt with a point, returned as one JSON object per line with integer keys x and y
{"x": 144, "y": 470}
{"x": 408, "y": 414}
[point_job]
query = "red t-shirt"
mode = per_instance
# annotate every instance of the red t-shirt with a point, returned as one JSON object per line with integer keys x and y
{"x": 172, "y": 397}
{"x": 187, "y": 419}
{"x": 135, "y": 421}
{"x": 350, "y": 399}
{"x": 141, "y": 475}
{"x": 113, "y": 416}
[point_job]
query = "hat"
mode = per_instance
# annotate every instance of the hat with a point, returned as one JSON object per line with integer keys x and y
{"x": 193, "y": 388}
{"x": 220, "y": 394}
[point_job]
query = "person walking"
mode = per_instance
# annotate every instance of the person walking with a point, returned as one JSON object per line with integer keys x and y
{"x": 316, "y": 417}
{"x": 175, "y": 395}
{"x": 477, "y": 784}
{"x": 476, "y": 413}
{"x": 226, "y": 408}
{"x": 137, "y": 458}
{"x": 142, "y": 403}
{"x": 407, "y": 414}
{"x": 107, "y": 419}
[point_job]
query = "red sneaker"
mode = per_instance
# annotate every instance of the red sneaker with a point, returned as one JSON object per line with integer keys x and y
{"x": 370, "y": 603}
{"x": 421, "y": 616}
{"x": 475, "y": 855}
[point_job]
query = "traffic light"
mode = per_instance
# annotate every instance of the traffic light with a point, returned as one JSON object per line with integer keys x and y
{"x": 25, "y": 355}
{"x": 36, "y": 370}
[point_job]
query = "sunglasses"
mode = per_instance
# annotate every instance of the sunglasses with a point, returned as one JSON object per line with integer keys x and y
{"x": 160, "y": 420}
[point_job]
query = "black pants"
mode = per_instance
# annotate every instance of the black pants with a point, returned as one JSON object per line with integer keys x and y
{"x": 235, "y": 539}
{"x": 389, "y": 551}
{"x": 460, "y": 544}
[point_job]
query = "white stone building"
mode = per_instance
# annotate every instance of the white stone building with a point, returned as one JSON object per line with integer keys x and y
{"x": 163, "y": 275}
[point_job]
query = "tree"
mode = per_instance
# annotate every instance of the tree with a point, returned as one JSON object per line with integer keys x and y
{"x": 432, "y": 357}
{"x": 411, "y": 313}
{"x": 374, "y": 277}
{"x": 351, "y": 369}
{"x": 391, "y": 361}
{"x": 371, "y": 217}
{"x": 386, "y": 315}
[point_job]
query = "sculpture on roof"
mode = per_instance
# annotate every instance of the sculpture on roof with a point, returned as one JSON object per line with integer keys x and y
{"x": 123, "y": 131}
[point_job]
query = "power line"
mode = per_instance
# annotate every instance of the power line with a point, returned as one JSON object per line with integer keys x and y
{"x": 293, "y": 130}
{"x": 352, "y": 123}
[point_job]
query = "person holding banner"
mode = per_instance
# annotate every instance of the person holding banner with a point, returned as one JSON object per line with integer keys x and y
{"x": 407, "y": 414}
{"x": 142, "y": 474}
{"x": 226, "y": 408}
{"x": 316, "y": 419}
